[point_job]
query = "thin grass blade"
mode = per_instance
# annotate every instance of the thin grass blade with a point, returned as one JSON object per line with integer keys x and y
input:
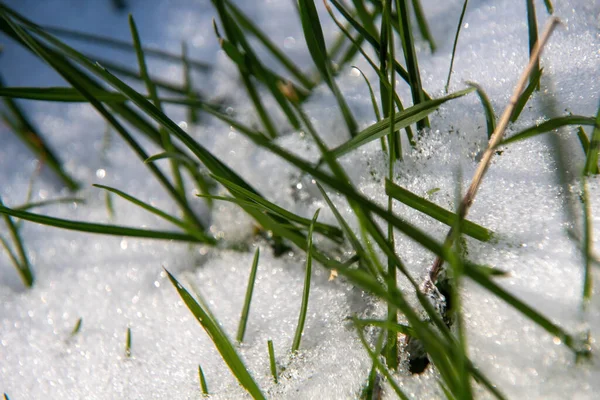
{"x": 433, "y": 210}
{"x": 202, "y": 379}
{"x": 250, "y": 288}
{"x": 306, "y": 291}
{"x": 591, "y": 160}
{"x": 402, "y": 119}
{"x": 272, "y": 363}
{"x": 460, "y": 21}
{"x": 550, "y": 125}
{"x": 220, "y": 340}
{"x": 534, "y": 83}
{"x": 490, "y": 116}
{"x": 103, "y": 229}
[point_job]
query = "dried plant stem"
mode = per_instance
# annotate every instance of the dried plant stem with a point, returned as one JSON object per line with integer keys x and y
{"x": 495, "y": 140}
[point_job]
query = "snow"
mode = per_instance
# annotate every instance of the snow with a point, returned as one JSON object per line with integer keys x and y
{"x": 114, "y": 283}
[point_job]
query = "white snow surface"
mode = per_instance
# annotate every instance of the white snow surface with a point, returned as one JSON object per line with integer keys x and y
{"x": 115, "y": 283}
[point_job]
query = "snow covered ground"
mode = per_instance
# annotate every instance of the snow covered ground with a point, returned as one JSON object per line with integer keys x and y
{"x": 114, "y": 283}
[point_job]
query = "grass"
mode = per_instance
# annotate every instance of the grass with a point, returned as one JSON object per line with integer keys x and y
{"x": 127, "y": 110}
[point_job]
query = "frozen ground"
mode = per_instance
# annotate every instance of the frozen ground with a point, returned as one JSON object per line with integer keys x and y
{"x": 115, "y": 283}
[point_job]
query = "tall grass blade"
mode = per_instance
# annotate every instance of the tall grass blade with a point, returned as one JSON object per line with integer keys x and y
{"x": 306, "y": 291}
{"x": 460, "y": 21}
{"x": 219, "y": 339}
{"x": 588, "y": 243}
{"x": 382, "y": 79}
{"x": 423, "y": 25}
{"x": 490, "y": 117}
{"x": 433, "y": 210}
{"x": 272, "y": 363}
{"x": 534, "y": 83}
{"x": 375, "y": 106}
{"x": 402, "y": 119}
{"x": 250, "y": 288}
{"x": 31, "y": 137}
{"x": 549, "y": 6}
{"x": 591, "y": 160}
{"x": 548, "y": 126}
{"x": 190, "y": 229}
{"x": 202, "y": 379}
{"x": 533, "y": 38}
{"x": 114, "y": 230}
{"x": 380, "y": 366}
{"x": 410, "y": 55}
{"x": 152, "y": 93}
{"x": 585, "y": 144}
{"x": 247, "y": 24}
{"x": 22, "y": 263}
{"x": 313, "y": 35}
{"x": 188, "y": 84}
{"x": 121, "y": 44}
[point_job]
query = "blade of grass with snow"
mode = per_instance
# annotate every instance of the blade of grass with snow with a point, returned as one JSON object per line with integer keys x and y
{"x": 220, "y": 340}
{"x": 249, "y": 289}
{"x": 410, "y": 55}
{"x": 591, "y": 160}
{"x": 460, "y": 20}
{"x": 306, "y": 291}
{"x": 423, "y": 25}
{"x": 534, "y": 83}
{"x": 202, "y": 379}
{"x": 313, "y": 35}
{"x": 548, "y": 126}
{"x": 433, "y": 210}
{"x": 490, "y": 117}
{"x": 103, "y": 229}
{"x": 402, "y": 119}
{"x": 272, "y": 363}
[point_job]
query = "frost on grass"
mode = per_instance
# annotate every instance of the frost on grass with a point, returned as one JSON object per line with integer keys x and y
{"x": 114, "y": 283}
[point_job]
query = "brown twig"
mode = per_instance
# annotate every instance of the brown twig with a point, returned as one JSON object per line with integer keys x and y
{"x": 495, "y": 140}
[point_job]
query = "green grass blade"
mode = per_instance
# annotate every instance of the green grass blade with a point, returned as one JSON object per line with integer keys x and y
{"x": 588, "y": 243}
{"x": 250, "y": 288}
{"x": 460, "y": 21}
{"x": 549, "y": 6}
{"x": 375, "y": 106}
{"x": 24, "y": 266}
{"x": 247, "y": 24}
{"x": 313, "y": 35}
{"x": 423, "y": 25}
{"x": 382, "y": 79}
{"x": 188, "y": 84}
{"x": 373, "y": 41}
{"x": 433, "y": 210}
{"x": 44, "y": 203}
{"x": 128, "y": 343}
{"x": 380, "y": 366}
{"x": 534, "y": 82}
{"x": 58, "y": 94}
{"x": 152, "y": 93}
{"x": 533, "y": 38}
{"x": 550, "y": 125}
{"x": 31, "y": 137}
{"x": 398, "y": 328}
{"x": 190, "y": 229}
{"x": 332, "y": 232}
{"x": 306, "y": 291}
{"x": 490, "y": 116}
{"x": 402, "y": 119}
{"x": 122, "y": 45}
{"x": 220, "y": 340}
{"x": 77, "y": 327}
{"x": 591, "y": 160}
{"x": 272, "y": 363}
{"x": 101, "y": 228}
{"x": 410, "y": 55}
{"x": 354, "y": 242}
{"x": 202, "y": 379}
{"x": 585, "y": 144}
